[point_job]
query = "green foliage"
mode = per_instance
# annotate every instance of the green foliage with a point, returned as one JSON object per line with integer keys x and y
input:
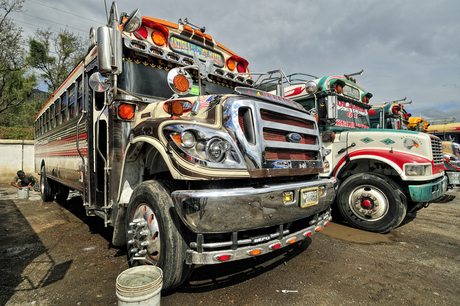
{"x": 69, "y": 50}
{"x": 15, "y": 85}
{"x": 19, "y": 101}
{"x": 16, "y": 133}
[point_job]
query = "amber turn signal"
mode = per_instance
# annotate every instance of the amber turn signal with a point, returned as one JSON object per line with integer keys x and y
{"x": 126, "y": 111}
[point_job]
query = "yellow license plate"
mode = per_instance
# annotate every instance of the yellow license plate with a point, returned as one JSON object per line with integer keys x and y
{"x": 308, "y": 197}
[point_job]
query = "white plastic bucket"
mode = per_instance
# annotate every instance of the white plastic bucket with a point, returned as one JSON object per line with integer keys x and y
{"x": 140, "y": 285}
{"x": 23, "y": 193}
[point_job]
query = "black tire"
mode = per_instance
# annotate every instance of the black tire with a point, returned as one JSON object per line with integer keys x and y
{"x": 62, "y": 193}
{"x": 371, "y": 202}
{"x": 151, "y": 208}
{"x": 45, "y": 187}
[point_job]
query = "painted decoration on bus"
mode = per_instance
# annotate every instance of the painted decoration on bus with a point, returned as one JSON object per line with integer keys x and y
{"x": 188, "y": 48}
{"x": 352, "y": 116}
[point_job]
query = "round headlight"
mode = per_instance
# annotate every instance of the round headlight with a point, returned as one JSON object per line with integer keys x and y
{"x": 188, "y": 139}
{"x": 216, "y": 149}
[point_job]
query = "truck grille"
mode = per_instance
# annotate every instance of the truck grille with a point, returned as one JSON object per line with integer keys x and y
{"x": 436, "y": 147}
{"x": 274, "y": 137}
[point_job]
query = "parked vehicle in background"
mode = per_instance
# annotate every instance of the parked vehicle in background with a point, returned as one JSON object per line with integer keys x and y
{"x": 381, "y": 173}
{"x": 446, "y": 131}
{"x": 418, "y": 124}
{"x": 390, "y": 115}
{"x": 451, "y": 161}
{"x": 170, "y": 144}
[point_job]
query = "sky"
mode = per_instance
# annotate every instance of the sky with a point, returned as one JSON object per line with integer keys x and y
{"x": 407, "y": 49}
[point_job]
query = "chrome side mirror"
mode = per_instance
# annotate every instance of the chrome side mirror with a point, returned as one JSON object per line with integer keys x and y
{"x": 99, "y": 83}
{"x": 311, "y": 87}
{"x": 133, "y": 23}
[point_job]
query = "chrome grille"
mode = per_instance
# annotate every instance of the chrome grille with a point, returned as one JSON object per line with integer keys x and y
{"x": 436, "y": 147}
{"x": 274, "y": 137}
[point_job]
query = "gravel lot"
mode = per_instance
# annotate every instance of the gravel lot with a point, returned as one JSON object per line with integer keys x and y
{"x": 55, "y": 255}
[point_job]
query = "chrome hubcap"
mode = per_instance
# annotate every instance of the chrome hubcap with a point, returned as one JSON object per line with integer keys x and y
{"x": 368, "y": 203}
{"x": 144, "y": 236}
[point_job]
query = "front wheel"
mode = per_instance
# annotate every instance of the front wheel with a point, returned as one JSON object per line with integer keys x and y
{"x": 46, "y": 191}
{"x": 155, "y": 233}
{"x": 371, "y": 202}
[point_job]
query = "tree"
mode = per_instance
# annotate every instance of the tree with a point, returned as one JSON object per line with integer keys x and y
{"x": 15, "y": 86}
{"x": 69, "y": 49}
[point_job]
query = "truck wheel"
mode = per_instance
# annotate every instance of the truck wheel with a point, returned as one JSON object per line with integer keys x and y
{"x": 371, "y": 202}
{"x": 62, "y": 193}
{"x": 155, "y": 233}
{"x": 45, "y": 188}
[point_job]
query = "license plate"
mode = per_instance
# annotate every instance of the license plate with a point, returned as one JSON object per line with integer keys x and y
{"x": 308, "y": 197}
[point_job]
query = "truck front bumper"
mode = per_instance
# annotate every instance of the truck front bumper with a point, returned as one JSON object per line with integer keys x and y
{"x": 239, "y": 209}
{"x": 428, "y": 192}
{"x": 225, "y": 251}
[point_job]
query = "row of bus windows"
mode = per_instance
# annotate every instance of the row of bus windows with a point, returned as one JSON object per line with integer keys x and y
{"x": 69, "y": 105}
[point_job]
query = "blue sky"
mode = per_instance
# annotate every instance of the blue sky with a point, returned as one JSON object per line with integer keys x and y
{"x": 406, "y": 48}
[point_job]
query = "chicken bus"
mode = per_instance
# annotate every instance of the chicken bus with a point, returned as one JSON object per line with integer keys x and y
{"x": 162, "y": 132}
{"x": 381, "y": 173}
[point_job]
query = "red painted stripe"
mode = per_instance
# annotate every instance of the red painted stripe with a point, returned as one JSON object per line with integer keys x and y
{"x": 84, "y": 152}
{"x": 82, "y": 136}
{"x": 399, "y": 158}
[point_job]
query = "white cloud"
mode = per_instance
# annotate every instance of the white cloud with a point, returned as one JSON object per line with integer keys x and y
{"x": 406, "y": 48}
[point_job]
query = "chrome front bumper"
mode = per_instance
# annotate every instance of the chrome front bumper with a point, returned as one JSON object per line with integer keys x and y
{"x": 248, "y": 248}
{"x": 239, "y": 209}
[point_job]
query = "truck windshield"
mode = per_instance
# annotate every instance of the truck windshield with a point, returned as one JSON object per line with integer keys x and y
{"x": 352, "y": 116}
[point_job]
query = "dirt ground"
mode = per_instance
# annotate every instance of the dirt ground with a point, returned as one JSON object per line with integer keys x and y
{"x": 53, "y": 254}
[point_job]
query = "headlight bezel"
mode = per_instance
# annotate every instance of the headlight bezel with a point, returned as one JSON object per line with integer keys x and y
{"x": 417, "y": 169}
{"x": 201, "y": 151}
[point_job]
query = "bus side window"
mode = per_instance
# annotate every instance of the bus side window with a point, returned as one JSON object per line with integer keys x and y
{"x": 47, "y": 119}
{"x": 57, "y": 107}
{"x": 72, "y": 102}
{"x": 80, "y": 106}
{"x": 64, "y": 110}
{"x": 52, "y": 121}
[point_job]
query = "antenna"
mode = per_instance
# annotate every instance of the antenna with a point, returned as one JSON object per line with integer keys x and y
{"x": 202, "y": 29}
{"x": 357, "y": 73}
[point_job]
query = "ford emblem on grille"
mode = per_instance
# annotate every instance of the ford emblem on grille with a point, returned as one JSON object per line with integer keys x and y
{"x": 293, "y": 137}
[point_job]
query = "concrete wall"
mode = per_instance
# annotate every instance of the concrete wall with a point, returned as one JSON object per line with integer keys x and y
{"x": 16, "y": 155}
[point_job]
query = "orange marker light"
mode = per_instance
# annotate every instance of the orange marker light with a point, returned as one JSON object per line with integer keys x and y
{"x": 125, "y": 111}
{"x": 318, "y": 228}
{"x": 291, "y": 241}
{"x": 181, "y": 82}
{"x": 255, "y": 252}
{"x": 231, "y": 64}
{"x": 158, "y": 38}
{"x": 188, "y": 28}
{"x": 176, "y": 108}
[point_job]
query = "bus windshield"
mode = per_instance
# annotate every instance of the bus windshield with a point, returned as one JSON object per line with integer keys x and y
{"x": 144, "y": 80}
{"x": 352, "y": 116}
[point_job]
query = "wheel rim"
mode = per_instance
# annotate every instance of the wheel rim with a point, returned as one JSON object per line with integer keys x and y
{"x": 42, "y": 183}
{"x": 144, "y": 236}
{"x": 368, "y": 203}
